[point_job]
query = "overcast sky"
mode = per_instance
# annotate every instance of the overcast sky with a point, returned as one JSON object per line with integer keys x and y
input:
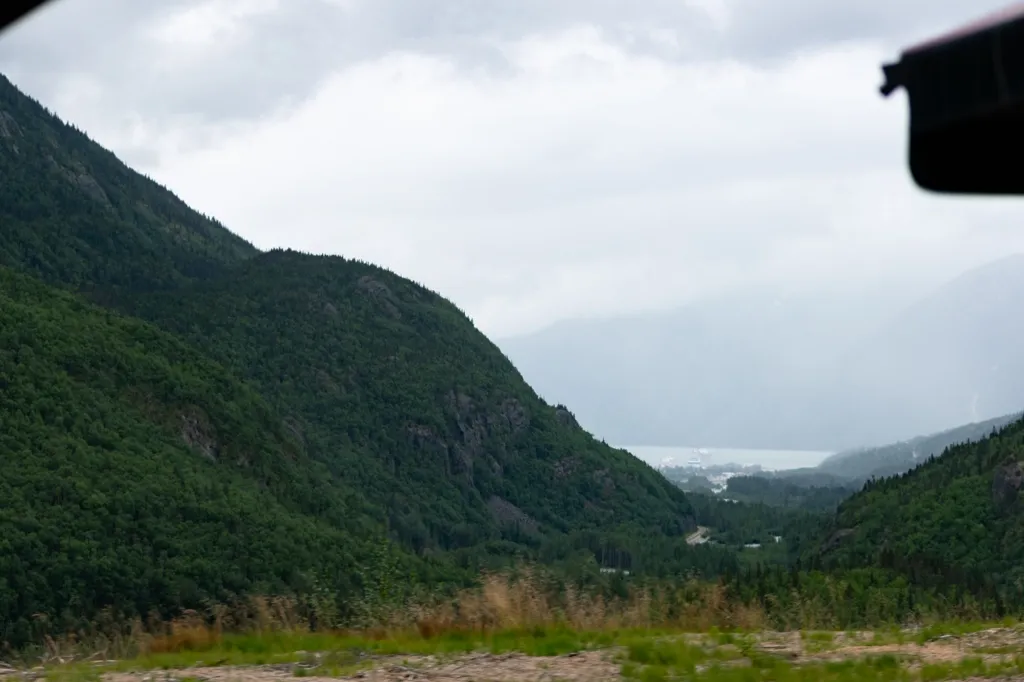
{"x": 532, "y": 160}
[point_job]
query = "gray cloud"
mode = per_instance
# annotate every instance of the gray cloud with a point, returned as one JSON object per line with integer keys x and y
{"x": 281, "y": 56}
{"x": 763, "y": 29}
{"x": 286, "y": 52}
{"x": 535, "y": 159}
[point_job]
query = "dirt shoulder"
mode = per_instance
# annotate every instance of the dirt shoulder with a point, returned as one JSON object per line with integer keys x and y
{"x": 992, "y": 645}
{"x": 597, "y": 666}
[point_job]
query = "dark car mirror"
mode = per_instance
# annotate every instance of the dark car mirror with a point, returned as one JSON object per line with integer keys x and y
{"x": 14, "y": 10}
{"x": 966, "y": 97}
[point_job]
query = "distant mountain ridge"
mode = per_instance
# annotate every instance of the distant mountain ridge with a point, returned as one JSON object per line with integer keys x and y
{"x": 811, "y": 373}
{"x": 698, "y": 375}
{"x": 862, "y": 464}
{"x": 951, "y": 358}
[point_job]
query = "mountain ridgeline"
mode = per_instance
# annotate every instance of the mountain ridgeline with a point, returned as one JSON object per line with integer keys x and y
{"x": 189, "y": 419}
{"x": 858, "y": 465}
{"x": 745, "y": 370}
{"x": 74, "y": 215}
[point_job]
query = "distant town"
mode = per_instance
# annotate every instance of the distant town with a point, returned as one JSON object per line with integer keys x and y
{"x": 697, "y": 472}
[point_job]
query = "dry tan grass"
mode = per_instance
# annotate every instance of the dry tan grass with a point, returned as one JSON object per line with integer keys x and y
{"x": 522, "y": 599}
{"x": 527, "y": 599}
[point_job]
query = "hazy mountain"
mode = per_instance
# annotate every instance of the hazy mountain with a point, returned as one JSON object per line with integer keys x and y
{"x": 816, "y": 371}
{"x": 860, "y": 464}
{"x": 950, "y": 359}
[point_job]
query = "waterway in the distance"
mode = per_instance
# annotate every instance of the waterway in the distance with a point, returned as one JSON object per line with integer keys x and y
{"x": 772, "y": 460}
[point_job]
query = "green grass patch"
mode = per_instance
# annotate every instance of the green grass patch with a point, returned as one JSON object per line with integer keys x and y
{"x": 889, "y": 635}
{"x": 341, "y": 663}
{"x": 816, "y": 642}
{"x": 340, "y": 650}
{"x": 649, "y": 655}
{"x": 764, "y": 668}
{"x": 997, "y": 650}
{"x": 958, "y": 629}
{"x": 74, "y": 672}
{"x": 654, "y": 661}
{"x": 973, "y": 666}
{"x": 737, "y": 638}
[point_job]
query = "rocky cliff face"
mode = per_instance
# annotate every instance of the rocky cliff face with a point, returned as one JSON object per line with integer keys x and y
{"x": 397, "y": 392}
{"x": 1006, "y": 482}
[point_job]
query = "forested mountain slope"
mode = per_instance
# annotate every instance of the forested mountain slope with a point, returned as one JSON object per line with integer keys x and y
{"x": 284, "y": 413}
{"x": 781, "y": 492}
{"x": 138, "y": 474}
{"x": 956, "y": 518}
{"x": 73, "y": 214}
{"x": 395, "y": 391}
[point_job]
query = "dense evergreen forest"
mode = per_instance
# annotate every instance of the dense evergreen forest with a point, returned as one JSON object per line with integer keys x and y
{"x": 74, "y": 215}
{"x": 139, "y": 475}
{"x": 187, "y": 420}
{"x": 956, "y": 518}
{"x": 394, "y": 390}
{"x": 276, "y": 420}
{"x": 782, "y": 492}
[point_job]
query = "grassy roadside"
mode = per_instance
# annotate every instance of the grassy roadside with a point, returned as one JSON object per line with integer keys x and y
{"x": 302, "y": 648}
{"x": 339, "y": 654}
{"x": 642, "y": 654}
{"x": 694, "y": 632}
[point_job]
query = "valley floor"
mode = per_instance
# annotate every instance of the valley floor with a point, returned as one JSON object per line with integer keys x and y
{"x": 952, "y": 652}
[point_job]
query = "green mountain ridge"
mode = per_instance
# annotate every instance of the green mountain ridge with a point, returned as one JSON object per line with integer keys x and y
{"x": 74, "y": 215}
{"x": 275, "y": 417}
{"x": 400, "y": 394}
{"x": 956, "y": 518}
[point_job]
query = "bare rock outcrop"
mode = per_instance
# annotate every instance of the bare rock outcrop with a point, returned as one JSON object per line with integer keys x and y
{"x": 1006, "y": 482}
